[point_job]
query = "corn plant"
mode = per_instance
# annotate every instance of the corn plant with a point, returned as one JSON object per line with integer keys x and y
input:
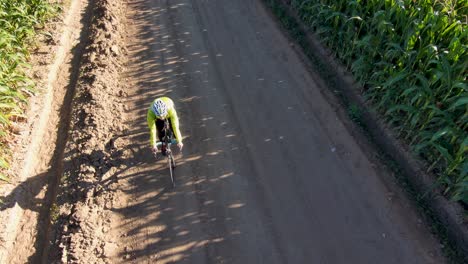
{"x": 19, "y": 21}
{"x": 411, "y": 59}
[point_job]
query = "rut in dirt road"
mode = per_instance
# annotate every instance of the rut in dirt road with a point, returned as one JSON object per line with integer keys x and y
{"x": 38, "y": 152}
{"x": 269, "y": 173}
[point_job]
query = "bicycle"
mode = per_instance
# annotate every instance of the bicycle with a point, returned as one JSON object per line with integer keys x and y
{"x": 167, "y": 141}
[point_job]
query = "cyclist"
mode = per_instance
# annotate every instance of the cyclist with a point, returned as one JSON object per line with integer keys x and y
{"x": 162, "y": 108}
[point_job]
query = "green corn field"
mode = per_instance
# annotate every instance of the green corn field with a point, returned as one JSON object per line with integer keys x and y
{"x": 19, "y": 21}
{"x": 410, "y": 58}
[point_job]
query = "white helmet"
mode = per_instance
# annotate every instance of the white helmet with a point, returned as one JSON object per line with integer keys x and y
{"x": 159, "y": 108}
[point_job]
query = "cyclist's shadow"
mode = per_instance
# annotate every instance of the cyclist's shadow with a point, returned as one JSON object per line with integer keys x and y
{"x": 24, "y": 194}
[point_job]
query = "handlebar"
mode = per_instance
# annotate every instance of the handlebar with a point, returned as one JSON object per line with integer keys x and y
{"x": 173, "y": 141}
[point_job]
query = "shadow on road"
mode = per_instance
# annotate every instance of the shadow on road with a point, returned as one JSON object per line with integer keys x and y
{"x": 25, "y": 194}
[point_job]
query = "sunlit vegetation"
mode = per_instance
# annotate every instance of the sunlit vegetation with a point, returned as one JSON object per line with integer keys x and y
{"x": 410, "y": 57}
{"x": 19, "y": 22}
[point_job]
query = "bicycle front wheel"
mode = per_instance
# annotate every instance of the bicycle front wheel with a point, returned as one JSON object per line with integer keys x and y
{"x": 170, "y": 161}
{"x": 173, "y": 162}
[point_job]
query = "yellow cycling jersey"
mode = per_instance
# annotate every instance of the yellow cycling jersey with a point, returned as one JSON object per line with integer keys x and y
{"x": 171, "y": 114}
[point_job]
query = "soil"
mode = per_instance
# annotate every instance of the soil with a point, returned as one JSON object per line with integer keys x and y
{"x": 40, "y": 139}
{"x": 268, "y": 174}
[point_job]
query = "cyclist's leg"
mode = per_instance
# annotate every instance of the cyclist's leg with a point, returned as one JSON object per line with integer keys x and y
{"x": 172, "y": 130}
{"x": 170, "y": 133}
{"x": 159, "y": 128}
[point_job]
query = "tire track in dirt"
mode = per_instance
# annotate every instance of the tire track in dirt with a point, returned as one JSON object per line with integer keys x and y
{"x": 39, "y": 165}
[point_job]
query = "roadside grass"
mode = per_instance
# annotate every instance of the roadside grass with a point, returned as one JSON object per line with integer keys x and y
{"x": 20, "y": 22}
{"x": 54, "y": 213}
{"x": 355, "y": 114}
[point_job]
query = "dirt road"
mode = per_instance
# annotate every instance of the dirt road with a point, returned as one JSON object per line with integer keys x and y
{"x": 269, "y": 172}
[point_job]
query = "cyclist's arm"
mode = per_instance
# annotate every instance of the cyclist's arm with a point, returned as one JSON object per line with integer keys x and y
{"x": 175, "y": 124}
{"x": 151, "y": 119}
